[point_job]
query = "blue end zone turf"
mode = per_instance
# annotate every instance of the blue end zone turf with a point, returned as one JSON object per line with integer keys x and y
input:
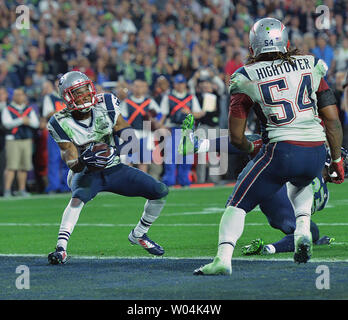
{"x": 164, "y": 279}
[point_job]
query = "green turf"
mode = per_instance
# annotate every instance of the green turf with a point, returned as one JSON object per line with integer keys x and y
{"x": 188, "y": 226}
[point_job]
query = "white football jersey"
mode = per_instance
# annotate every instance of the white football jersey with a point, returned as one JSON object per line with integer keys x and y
{"x": 284, "y": 96}
{"x": 99, "y": 128}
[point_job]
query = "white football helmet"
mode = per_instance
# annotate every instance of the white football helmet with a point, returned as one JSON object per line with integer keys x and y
{"x": 70, "y": 82}
{"x": 268, "y": 35}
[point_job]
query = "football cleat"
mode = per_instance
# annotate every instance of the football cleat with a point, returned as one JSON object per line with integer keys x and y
{"x": 214, "y": 268}
{"x": 58, "y": 256}
{"x": 303, "y": 248}
{"x": 150, "y": 246}
{"x": 255, "y": 247}
{"x": 324, "y": 240}
{"x": 188, "y": 123}
{"x": 189, "y": 143}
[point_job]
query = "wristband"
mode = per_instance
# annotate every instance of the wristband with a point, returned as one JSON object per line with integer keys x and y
{"x": 337, "y": 160}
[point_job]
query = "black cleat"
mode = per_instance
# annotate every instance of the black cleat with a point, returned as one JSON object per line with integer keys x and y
{"x": 57, "y": 257}
{"x": 303, "y": 249}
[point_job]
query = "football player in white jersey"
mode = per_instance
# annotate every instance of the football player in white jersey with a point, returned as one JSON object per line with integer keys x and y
{"x": 91, "y": 118}
{"x": 288, "y": 93}
{"x": 278, "y": 209}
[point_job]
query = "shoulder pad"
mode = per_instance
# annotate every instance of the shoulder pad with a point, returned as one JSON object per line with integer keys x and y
{"x": 238, "y": 78}
{"x": 320, "y": 67}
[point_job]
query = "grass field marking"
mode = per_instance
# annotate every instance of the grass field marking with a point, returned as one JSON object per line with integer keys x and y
{"x": 112, "y": 225}
{"x": 102, "y": 194}
{"x": 210, "y": 210}
{"x": 83, "y": 257}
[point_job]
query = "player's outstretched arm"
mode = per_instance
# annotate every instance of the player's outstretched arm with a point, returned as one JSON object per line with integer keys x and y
{"x": 70, "y": 155}
{"x": 334, "y": 136}
{"x": 334, "y": 133}
{"x": 236, "y": 132}
{"x": 239, "y": 139}
{"x": 240, "y": 104}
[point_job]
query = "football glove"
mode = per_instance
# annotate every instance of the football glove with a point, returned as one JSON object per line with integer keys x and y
{"x": 336, "y": 170}
{"x": 95, "y": 159}
{"x": 255, "y": 147}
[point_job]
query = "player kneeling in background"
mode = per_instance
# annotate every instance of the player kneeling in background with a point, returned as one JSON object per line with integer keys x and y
{"x": 92, "y": 118}
{"x": 278, "y": 208}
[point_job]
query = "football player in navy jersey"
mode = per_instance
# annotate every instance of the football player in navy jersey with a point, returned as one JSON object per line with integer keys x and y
{"x": 91, "y": 118}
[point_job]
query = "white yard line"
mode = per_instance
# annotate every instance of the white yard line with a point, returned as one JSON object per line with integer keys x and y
{"x": 30, "y": 255}
{"x": 111, "y": 225}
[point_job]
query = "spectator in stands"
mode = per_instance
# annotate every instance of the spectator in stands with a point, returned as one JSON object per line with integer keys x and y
{"x": 57, "y": 170}
{"x": 136, "y": 109}
{"x": 324, "y": 51}
{"x": 174, "y": 107}
{"x": 209, "y": 99}
{"x": 344, "y": 109}
{"x": 341, "y": 57}
{"x": 235, "y": 63}
{"x": 125, "y": 40}
{"x": 3, "y": 104}
{"x": 20, "y": 120}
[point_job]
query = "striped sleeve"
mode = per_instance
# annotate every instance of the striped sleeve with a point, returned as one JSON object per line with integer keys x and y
{"x": 112, "y": 104}
{"x": 56, "y": 131}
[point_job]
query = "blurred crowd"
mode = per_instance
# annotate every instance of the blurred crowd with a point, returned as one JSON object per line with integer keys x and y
{"x": 158, "y": 43}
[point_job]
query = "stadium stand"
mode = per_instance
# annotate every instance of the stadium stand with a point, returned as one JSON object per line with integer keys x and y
{"x": 116, "y": 42}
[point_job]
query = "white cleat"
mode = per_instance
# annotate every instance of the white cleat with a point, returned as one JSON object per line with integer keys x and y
{"x": 214, "y": 268}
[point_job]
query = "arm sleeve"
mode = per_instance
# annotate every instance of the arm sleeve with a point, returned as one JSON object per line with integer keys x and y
{"x": 325, "y": 96}
{"x": 240, "y": 105}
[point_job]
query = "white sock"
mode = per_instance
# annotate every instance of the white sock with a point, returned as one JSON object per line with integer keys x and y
{"x": 303, "y": 225}
{"x": 152, "y": 210}
{"x": 270, "y": 248}
{"x": 230, "y": 230}
{"x": 70, "y": 216}
{"x": 302, "y": 200}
